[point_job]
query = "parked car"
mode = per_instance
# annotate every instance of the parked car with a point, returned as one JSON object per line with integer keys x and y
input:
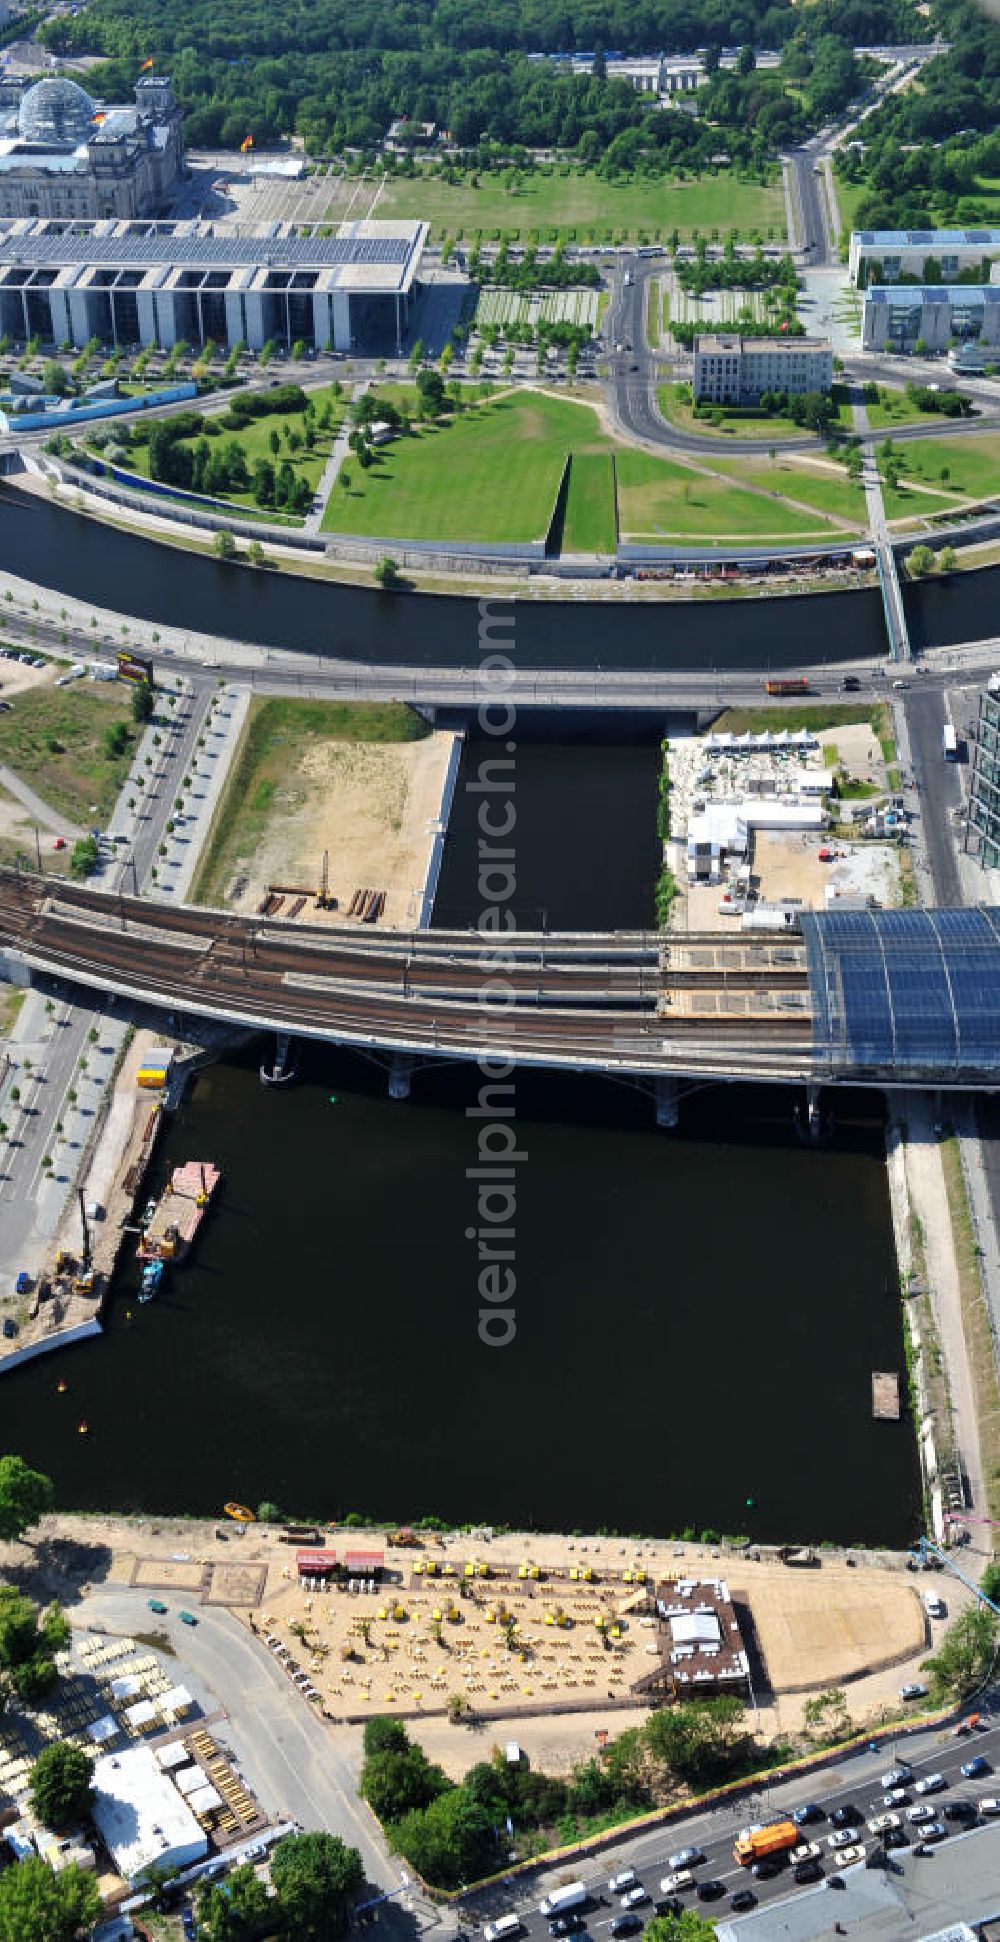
{"x": 991, "y": 1805}
{"x": 934, "y": 1606}
{"x": 896, "y": 1777}
{"x": 743, "y": 1900}
{"x": 634, "y": 1897}
{"x": 896, "y": 1797}
{"x": 913, "y": 1690}
{"x": 809, "y": 1851}
{"x": 961, "y": 1810}
{"x": 804, "y": 1871}
{"x": 931, "y": 1783}
{"x": 918, "y": 1815}
{"x": 971, "y": 1769}
{"x": 624, "y": 1925}
{"x": 843, "y": 1838}
{"x": 810, "y": 1812}
{"x": 848, "y": 1856}
{"x": 880, "y": 1822}
{"x": 934, "y": 1831}
{"x": 846, "y": 1816}
{"x": 895, "y": 1837}
{"x": 709, "y": 1891}
{"x": 156, "y": 1605}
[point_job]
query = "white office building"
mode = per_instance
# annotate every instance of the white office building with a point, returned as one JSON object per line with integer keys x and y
{"x": 933, "y": 315}
{"x": 929, "y": 255}
{"x": 157, "y": 283}
{"x": 734, "y": 370}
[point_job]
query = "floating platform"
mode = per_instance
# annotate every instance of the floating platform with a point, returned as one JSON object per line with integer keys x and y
{"x": 179, "y": 1212}
{"x": 885, "y": 1396}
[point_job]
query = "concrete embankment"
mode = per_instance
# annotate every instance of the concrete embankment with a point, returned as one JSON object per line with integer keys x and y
{"x": 439, "y": 831}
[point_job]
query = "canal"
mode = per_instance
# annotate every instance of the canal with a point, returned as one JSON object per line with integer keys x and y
{"x": 698, "y": 1316}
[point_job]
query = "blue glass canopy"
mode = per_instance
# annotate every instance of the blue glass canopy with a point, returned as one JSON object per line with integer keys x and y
{"x": 908, "y": 990}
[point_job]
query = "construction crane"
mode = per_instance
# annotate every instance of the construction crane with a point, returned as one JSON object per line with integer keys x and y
{"x": 926, "y": 1549}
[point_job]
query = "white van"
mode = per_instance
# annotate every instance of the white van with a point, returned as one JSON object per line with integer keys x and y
{"x": 619, "y": 1884}
{"x": 499, "y": 1931}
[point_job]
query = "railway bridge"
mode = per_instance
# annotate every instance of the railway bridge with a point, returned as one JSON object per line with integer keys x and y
{"x": 887, "y": 998}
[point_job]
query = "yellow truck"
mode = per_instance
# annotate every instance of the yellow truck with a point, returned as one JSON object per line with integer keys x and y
{"x": 761, "y": 1843}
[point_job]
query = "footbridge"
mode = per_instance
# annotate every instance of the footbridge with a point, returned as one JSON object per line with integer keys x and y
{"x": 886, "y": 998}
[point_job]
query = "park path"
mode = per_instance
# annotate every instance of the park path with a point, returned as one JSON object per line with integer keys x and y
{"x": 36, "y": 807}
{"x": 338, "y": 452}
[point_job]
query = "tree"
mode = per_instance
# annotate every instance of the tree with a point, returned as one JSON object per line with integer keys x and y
{"x": 142, "y": 701}
{"x": 61, "y": 1784}
{"x": 315, "y": 1876}
{"x": 236, "y": 1909}
{"x": 700, "y": 1743}
{"x": 387, "y": 572}
{"x": 947, "y": 560}
{"x": 385, "y": 1735}
{"x": 451, "y": 1841}
{"x": 919, "y": 561}
{"x": 396, "y": 1783}
{"x": 255, "y": 553}
{"x": 686, "y": 1927}
{"x": 18, "y": 1627}
{"x": 39, "y": 1906}
{"x": 965, "y": 1654}
{"x": 224, "y": 545}
{"x": 25, "y": 1495}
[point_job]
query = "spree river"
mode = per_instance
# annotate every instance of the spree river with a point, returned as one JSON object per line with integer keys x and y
{"x": 698, "y": 1316}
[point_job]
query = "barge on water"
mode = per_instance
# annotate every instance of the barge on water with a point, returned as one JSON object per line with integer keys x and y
{"x": 169, "y": 1228}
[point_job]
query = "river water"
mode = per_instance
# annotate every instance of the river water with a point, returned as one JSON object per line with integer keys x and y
{"x": 697, "y": 1320}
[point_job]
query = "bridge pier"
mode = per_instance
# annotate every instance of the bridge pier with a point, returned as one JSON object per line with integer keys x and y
{"x": 401, "y": 1067}
{"x": 666, "y": 1094}
{"x": 282, "y": 1070}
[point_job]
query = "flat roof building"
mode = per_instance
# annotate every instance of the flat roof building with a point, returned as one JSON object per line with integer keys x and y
{"x": 984, "y": 796}
{"x": 885, "y": 255}
{"x": 730, "y": 369}
{"x": 133, "y": 283}
{"x": 142, "y": 1818}
{"x": 697, "y": 1640}
{"x": 900, "y": 316}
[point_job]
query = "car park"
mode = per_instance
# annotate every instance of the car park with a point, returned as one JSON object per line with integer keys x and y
{"x": 842, "y": 1838}
{"x": 743, "y": 1900}
{"x": 810, "y": 1812}
{"x": 686, "y": 1858}
{"x": 972, "y": 1769}
{"x": 804, "y": 1871}
{"x": 880, "y": 1822}
{"x": 931, "y": 1783}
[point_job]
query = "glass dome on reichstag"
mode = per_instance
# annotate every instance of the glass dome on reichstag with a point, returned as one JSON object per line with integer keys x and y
{"x": 56, "y": 113}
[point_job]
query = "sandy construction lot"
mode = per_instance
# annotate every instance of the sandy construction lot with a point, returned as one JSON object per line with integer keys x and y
{"x": 371, "y": 805}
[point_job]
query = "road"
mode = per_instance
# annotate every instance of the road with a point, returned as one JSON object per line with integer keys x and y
{"x": 939, "y": 788}
{"x": 853, "y": 1782}
{"x": 287, "y": 1753}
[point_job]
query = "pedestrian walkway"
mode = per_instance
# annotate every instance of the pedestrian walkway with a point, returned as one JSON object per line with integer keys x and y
{"x": 49, "y": 818}
{"x": 338, "y": 452}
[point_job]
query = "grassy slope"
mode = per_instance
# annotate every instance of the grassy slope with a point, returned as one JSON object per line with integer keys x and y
{"x": 589, "y": 524}
{"x": 489, "y": 473}
{"x": 826, "y": 491}
{"x": 659, "y": 499}
{"x": 276, "y": 735}
{"x": 585, "y": 203}
{"x": 76, "y": 773}
{"x": 973, "y": 463}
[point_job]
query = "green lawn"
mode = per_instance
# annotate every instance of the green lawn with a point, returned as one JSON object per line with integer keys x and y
{"x": 826, "y": 491}
{"x": 589, "y": 522}
{"x": 273, "y": 748}
{"x": 674, "y": 402}
{"x": 255, "y": 441}
{"x": 973, "y": 463}
{"x": 849, "y": 194}
{"x": 895, "y": 408}
{"x": 54, "y": 738}
{"x": 583, "y": 205}
{"x": 653, "y": 312}
{"x": 490, "y": 472}
{"x": 660, "y": 500}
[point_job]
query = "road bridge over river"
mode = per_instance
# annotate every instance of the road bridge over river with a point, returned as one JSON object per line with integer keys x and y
{"x": 887, "y": 998}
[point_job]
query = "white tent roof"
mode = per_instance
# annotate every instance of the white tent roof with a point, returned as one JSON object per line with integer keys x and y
{"x": 142, "y": 1714}
{"x": 126, "y": 1687}
{"x": 173, "y": 1755}
{"x": 141, "y": 1816}
{"x": 190, "y": 1779}
{"x": 205, "y": 1801}
{"x": 177, "y": 1700}
{"x": 695, "y": 1628}
{"x": 104, "y": 1728}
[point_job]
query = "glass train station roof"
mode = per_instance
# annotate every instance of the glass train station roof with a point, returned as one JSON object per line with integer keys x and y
{"x": 906, "y": 990}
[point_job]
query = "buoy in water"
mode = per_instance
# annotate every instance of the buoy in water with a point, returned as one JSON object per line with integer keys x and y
{"x": 84, "y": 1429}
{"x": 61, "y": 1386}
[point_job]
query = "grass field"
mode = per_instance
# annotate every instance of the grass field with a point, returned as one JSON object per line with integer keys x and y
{"x": 255, "y": 441}
{"x": 674, "y": 402}
{"x": 276, "y": 735}
{"x": 973, "y": 463}
{"x": 657, "y": 499}
{"x": 849, "y": 194}
{"x": 581, "y": 205}
{"x": 828, "y": 492}
{"x": 54, "y": 739}
{"x": 653, "y": 312}
{"x": 895, "y": 408}
{"x": 589, "y": 520}
{"x": 489, "y": 473}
